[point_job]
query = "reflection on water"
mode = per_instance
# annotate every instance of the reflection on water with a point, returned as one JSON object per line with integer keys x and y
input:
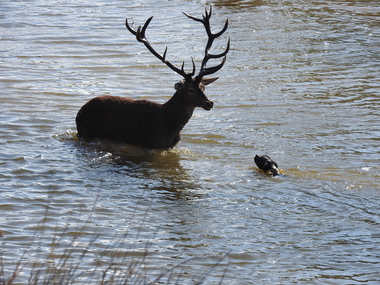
{"x": 300, "y": 84}
{"x": 163, "y": 169}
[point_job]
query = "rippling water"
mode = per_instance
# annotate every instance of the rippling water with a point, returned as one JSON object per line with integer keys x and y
{"x": 301, "y": 84}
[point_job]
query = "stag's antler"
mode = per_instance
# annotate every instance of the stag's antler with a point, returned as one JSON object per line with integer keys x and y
{"x": 211, "y": 37}
{"x": 140, "y": 36}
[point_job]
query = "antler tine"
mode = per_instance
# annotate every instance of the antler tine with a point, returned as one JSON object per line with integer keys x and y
{"x": 193, "y": 72}
{"x": 142, "y": 32}
{"x": 140, "y": 36}
{"x": 211, "y": 70}
{"x": 217, "y": 35}
{"x": 130, "y": 28}
{"x": 223, "y": 53}
{"x": 191, "y": 17}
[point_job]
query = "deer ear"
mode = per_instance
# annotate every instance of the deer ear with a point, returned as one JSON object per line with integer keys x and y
{"x": 178, "y": 85}
{"x": 207, "y": 81}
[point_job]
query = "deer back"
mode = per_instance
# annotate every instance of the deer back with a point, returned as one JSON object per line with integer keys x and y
{"x": 136, "y": 122}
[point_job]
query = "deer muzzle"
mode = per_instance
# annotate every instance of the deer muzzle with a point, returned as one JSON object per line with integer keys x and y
{"x": 208, "y": 105}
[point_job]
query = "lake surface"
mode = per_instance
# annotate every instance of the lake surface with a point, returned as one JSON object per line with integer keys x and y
{"x": 301, "y": 84}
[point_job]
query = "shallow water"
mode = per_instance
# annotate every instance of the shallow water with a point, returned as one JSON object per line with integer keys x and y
{"x": 300, "y": 84}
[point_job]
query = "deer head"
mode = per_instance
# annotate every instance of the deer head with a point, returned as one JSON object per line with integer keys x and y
{"x": 191, "y": 86}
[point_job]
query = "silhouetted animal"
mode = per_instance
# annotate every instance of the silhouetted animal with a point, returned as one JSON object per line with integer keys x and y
{"x": 265, "y": 163}
{"x": 148, "y": 124}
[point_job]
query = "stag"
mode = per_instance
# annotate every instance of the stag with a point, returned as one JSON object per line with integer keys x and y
{"x": 145, "y": 123}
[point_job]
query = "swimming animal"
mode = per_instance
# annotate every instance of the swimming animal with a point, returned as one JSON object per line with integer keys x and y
{"x": 265, "y": 163}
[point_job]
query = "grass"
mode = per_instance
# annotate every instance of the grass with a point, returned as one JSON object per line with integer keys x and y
{"x": 71, "y": 258}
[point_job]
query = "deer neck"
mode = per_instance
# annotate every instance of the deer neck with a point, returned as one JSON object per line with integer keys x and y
{"x": 177, "y": 112}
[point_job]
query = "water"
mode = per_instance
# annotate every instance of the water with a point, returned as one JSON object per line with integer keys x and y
{"x": 300, "y": 84}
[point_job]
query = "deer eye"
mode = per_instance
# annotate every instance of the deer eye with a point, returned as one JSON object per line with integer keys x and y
{"x": 191, "y": 91}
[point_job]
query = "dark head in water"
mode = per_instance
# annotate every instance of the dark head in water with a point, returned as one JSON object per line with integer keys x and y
{"x": 265, "y": 163}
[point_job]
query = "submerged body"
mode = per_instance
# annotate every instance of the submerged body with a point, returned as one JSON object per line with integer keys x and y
{"x": 140, "y": 122}
{"x": 135, "y": 122}
{"x": 265, "y": 163}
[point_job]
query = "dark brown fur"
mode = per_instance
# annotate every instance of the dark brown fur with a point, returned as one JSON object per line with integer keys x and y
{"x": 141, "y": 122}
